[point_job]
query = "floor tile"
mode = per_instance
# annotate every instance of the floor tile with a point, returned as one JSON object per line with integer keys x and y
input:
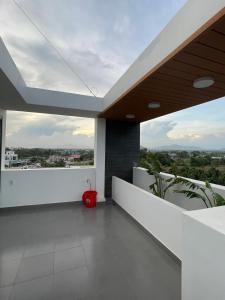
{"x": 8, "y": 271}
{"x": 69, "y": 259}
{"x": 71, "y": 284}
{"x": 67, "y": 242}
{"x": 38, "y": 248}
{"x": 35, "y": 266}
{"x": 12, "y": 251}
{"x": 5, "y": 293}
{"x": 98, "y": 250}
{"x": 37, "y": 289}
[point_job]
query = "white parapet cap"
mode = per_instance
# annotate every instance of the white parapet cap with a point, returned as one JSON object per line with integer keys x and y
{"x": 211, "y": 217}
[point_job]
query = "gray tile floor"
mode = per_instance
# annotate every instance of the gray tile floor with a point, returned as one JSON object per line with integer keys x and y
{"x": 69, "y": 252}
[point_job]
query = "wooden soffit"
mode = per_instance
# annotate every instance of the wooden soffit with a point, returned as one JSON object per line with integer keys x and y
{"x": 171, "y": 82}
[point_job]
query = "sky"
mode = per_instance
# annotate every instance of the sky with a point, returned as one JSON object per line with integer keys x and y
{"x": 35, "y": 130}
{"x": 99, "y": 39}
{"x": 202, "y": 126}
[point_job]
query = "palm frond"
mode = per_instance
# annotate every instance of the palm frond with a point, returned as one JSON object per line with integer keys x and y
{"x": 153, "y": 187}
{"x": 218, "y": 199}
{"x": 189, "y": 184}
{"x": 192, "y": 194}
{"x": 208, "y": 186}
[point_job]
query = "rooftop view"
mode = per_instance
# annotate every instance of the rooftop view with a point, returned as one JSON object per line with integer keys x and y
{"x": 112, "y": 152}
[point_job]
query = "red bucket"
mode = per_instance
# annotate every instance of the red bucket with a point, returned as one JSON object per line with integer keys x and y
{"x": 89, "y": 199}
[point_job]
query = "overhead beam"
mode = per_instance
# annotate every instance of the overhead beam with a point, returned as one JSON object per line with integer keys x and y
{"x": 16, "y": 95}
{"x": 137, "y": 86}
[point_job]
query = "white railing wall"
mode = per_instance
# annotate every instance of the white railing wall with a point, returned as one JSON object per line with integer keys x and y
{"x": 43, "y": 186}
{"x": 161, "y": 218}
{"x": 142, "y": 179}
{"x": 203, "y": 264}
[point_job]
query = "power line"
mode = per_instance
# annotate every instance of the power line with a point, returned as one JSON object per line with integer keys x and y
{"x": 51, "y": 44}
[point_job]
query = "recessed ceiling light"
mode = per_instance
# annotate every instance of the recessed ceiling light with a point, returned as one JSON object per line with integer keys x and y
{"x": 203, "y": 82}
{"x": 130, "y": 116}
{"x": 154, "y": 104}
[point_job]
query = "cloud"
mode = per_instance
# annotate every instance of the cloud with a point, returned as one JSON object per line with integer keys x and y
{"x": 122, "y": 25}
{"x": 183, "y": 136}
{"x": 48, "y": 131}
{"x": 99, "y": 39}
{"x": 188, "y": 128}
{"x": 39, "y": 63}
{"x": 156, "y": 133}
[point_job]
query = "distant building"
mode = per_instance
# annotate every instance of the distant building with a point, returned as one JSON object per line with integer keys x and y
{"x": 55, "y": 158}
{"x": 73, "y": 156}
{"x": 11, "y": 158}
{"x": 172, "y": 154}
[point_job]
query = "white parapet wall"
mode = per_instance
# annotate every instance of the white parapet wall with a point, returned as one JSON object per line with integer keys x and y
{"x": 142, "y": 179}
{"x": 203, "y": 264}
{"x": 161, "y": 218}
{"x": 2, "y": 137}
{"x": 43, "y": 186}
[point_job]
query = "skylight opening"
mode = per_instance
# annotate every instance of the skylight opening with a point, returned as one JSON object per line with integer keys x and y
{"x": 73, "y": 47}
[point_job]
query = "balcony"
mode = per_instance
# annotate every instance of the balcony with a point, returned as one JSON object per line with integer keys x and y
{"x": 51, "y": 247}
{"x": 128, "y": 249}
{"x": 69, "y": 252}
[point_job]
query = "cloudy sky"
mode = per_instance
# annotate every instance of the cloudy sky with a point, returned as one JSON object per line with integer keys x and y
{"x": 99, "y": 39}
{"x": 202, "y": 126}
{"x": 48, "y": 131}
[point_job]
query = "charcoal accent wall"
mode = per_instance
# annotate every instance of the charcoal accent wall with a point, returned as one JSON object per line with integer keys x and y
{"x": 0, "y": 151}
{"x": 122, "y": 151}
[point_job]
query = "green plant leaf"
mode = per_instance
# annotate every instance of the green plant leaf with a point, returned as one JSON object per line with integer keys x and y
{"x": 218, "y": 199}
{"x": 153, "y": 188}
{"x": 208, "y": 186}
{"x": 170, "y": 179}
{"x": 192, "y": 194}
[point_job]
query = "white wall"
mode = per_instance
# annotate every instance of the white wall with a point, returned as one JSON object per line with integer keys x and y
{"x": 84, "y": 105}
{"x": 203, "y": 264}
{"x": 42, "y": 186}
{"x": 142, "y": 179}
{"x": 161, "y": 218}
{"x": 3, "y": 117}
{"x": 100, "y": 136}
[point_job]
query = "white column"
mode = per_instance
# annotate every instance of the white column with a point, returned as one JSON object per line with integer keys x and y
{"x": 3, "y": 117}
{"x": 203, "y": 264}
{"x": 100, "y": 132}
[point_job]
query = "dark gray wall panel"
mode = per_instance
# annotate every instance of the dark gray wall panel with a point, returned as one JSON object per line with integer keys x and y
{"x": 0, "y": 151}
{"x": 122, "y": 151}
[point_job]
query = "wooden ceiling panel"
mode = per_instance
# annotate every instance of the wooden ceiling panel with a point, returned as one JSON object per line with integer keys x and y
{"x": 220, "y": 26}
{"x": 194, "y": 70}
{"x": 220, "y": 80}
{"x": 214, "y": 39}
{"x": 168, "y": 82}
{"x": 200, "y": 62}
{"x": 206, "y": 52}
{"x": 172, "y": 83}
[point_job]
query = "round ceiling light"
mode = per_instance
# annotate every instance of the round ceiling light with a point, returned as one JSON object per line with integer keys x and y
{"x": 203, "y": 82}
{"x": 130, "y": 116}
{"x": 154, "y": 105}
